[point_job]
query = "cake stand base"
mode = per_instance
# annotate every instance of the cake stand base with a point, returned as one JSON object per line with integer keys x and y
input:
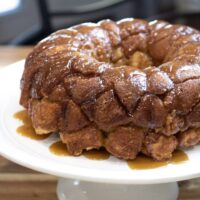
{"x": 79, "y": 190}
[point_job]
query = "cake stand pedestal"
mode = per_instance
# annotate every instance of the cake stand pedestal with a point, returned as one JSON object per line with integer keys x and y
{"x": 68, "y": 189}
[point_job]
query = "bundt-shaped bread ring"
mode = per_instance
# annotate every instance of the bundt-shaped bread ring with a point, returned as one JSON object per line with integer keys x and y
{"x": 130, "y": 86}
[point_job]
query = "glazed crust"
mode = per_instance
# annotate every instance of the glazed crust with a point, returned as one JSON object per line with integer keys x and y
{"x": 124, "y": 82}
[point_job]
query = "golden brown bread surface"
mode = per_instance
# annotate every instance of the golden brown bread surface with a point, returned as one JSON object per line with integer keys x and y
{"x": 131, "y": 86}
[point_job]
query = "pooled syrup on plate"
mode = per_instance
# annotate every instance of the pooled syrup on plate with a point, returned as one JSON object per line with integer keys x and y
{"x": 143, "y": 162}
{"x": 58, "y": 148}
{"x": 26, "y": 129}
{"x": 95, "y": 154}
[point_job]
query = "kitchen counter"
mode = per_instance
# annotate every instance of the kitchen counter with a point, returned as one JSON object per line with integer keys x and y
{"x": 20, "y": 183}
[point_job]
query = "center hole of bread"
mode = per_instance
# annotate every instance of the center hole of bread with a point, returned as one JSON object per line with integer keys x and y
{"x": 138, "y": 59}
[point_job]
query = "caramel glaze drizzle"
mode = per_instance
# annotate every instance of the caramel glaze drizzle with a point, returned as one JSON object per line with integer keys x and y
{"x": 140, "y": 163}
{"x": 58, "y": 148}
{"x": 26, "y": 129}
{"x": 144, "y": 162}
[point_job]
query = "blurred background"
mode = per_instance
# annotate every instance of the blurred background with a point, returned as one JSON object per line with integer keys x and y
{"x": 24, "y": 22}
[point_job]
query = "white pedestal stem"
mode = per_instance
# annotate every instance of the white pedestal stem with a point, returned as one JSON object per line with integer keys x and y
{"x": 80, "y": 190}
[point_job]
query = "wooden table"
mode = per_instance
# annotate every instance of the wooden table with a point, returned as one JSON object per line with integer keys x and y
{"x": 20, "y": 183}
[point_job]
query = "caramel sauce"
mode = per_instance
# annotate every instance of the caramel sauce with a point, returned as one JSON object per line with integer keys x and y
{"x": 27, "y": 129}
{"x": 94, "y": 154}
{"x": 59, "y": 149}
{"x": 178, "y": 157}
{"x": 143, "y": 162}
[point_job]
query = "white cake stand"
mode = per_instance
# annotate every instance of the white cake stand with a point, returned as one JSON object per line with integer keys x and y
{"x": 84, "y": 179}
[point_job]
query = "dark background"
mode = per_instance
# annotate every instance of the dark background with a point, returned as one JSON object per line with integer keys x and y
{"x": 24, "y": 22}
